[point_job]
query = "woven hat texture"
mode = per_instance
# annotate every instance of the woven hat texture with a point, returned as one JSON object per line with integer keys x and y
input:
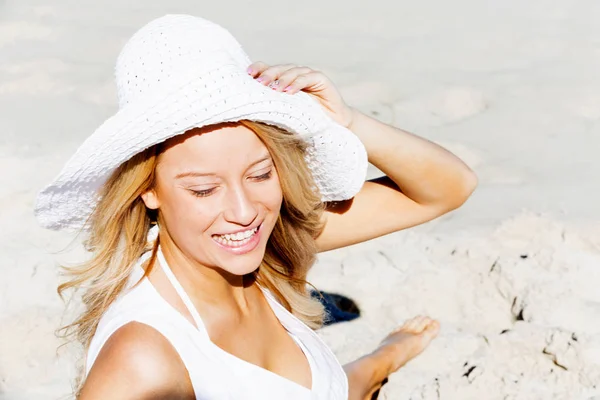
{"x": 181, "y": 72}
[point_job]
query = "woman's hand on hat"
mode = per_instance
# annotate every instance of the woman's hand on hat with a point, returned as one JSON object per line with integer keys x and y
{"x": 291, "y": 79}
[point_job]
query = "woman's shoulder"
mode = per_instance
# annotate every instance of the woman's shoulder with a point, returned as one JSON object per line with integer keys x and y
{"x": 137, "y": 297}
{"x": 138, "y": 305}
{"x": 137, "y": 353}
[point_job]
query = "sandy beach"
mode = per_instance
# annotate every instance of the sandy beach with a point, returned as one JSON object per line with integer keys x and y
{"x": 511, "y": 87}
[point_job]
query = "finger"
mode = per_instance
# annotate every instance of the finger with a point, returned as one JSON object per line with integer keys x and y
{"x": 287, "y": 77}
{"x": 256, "y": 68}
{"x": 303, "y": 81}
{"x": 272, "y": 73}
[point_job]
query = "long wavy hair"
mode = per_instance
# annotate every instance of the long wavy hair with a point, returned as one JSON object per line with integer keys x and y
{"x": 118, "y": 228}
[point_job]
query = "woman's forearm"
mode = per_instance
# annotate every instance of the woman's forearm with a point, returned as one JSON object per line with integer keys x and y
{"x": 424, "y": 171}
{"x": 366, "y": 375}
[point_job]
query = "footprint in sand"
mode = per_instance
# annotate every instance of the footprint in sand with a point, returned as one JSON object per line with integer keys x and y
{"x": 372, "y": 98}
{"x": 19, "y": 31}
{"x": 586, "y": 106}
{"x": 487, "y": 172}
{"x": 42, "y": 76}
{"x": 45, "y": 11}
{"x": 442, "y": 107}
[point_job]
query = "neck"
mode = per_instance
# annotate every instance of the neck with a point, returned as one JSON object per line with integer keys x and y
{"x": 210, "y": 288}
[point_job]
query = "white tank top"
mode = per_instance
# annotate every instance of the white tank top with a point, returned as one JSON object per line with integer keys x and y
{"x": 215, "y": 373}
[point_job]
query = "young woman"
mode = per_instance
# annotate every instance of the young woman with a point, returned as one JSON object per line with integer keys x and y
{"x": 204, "y": 201}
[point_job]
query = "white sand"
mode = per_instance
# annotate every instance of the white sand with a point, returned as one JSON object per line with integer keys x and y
{"x": 512, "y": 87}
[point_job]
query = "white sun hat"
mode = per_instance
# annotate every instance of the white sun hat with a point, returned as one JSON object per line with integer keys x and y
{"x": 181, "y": 72}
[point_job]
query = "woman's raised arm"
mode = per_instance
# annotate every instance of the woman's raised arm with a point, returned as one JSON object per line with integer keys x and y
{"x": 422, "y": 182}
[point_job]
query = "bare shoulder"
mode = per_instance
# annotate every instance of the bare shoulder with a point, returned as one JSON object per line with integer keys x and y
{"x": 137, "y": 362}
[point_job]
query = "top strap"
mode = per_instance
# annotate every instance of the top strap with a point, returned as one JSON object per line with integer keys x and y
{"x": 180, "y": 291}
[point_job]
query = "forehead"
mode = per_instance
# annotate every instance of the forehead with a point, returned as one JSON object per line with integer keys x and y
{"x": 213, "y": 148}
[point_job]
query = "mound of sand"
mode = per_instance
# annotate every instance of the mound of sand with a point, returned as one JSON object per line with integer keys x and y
{"x": 519, "y": 310}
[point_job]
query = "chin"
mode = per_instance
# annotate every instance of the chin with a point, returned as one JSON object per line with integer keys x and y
{"x": 242, "y": 265}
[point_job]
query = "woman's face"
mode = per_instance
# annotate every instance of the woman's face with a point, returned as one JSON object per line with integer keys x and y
{"x": 219, "y": 196}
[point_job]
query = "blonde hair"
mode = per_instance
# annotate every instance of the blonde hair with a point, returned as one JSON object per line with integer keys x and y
{"x": 119, "y": 225}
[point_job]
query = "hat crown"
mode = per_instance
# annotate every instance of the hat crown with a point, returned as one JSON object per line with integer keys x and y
{"x": 158, "y": 53}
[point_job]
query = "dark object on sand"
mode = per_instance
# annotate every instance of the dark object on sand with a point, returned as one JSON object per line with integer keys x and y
{"x": 339, "y": 308}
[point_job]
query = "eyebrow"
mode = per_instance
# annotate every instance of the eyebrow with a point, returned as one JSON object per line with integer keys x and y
{"x": 200, "y": 174}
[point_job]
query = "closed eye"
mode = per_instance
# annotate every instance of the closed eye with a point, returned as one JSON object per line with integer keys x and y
{"x": 202, "y": 193}
{"x": 263, "y": 177}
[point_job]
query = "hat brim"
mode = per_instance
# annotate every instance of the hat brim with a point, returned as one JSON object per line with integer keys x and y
{"x": 336, "y": 157}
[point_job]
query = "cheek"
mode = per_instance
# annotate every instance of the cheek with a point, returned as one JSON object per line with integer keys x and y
{"x": 185, "y": 214}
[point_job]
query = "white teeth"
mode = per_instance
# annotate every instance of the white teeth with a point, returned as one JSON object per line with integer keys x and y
{"x": 230, "y": 239}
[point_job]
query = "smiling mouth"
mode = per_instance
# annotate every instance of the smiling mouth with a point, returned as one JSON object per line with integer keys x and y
{"x": 238, "y": 239}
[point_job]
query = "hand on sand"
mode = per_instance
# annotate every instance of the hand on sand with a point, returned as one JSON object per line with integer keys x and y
{"x": 292, "y": 79}
{"x": 408, "y": 341}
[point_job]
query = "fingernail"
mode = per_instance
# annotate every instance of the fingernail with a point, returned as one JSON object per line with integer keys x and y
{"x": 287, "y": 88}
{"x": 250, "y": 71}
{"x": 260, "y": 79}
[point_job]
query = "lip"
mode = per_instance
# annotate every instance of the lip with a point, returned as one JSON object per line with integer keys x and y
{"x": 246, "y": 248}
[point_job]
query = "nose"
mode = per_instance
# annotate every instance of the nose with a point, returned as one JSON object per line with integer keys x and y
{"x": 240, "y": 209}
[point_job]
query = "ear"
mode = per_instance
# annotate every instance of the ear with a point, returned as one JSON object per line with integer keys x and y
{"x": 150, "y": 199}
